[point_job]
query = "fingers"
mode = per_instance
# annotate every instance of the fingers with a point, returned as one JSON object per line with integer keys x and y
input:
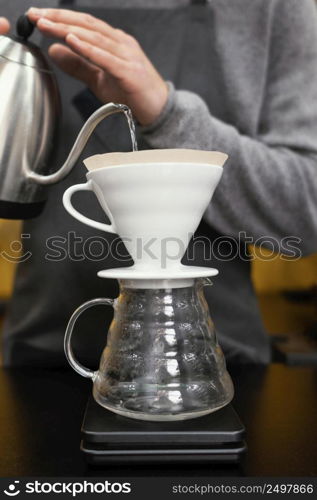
{"x": 91, "y": 39}
{"x": 61, "y": 30}
{"x": 73, "y": 64}
{"x": 4, "y": 26}
{"x": 74, "y": 18}
{"x": 105, "y": 60}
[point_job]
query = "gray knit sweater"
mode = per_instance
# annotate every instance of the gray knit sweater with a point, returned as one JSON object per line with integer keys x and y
{"x": 269, "y": 186}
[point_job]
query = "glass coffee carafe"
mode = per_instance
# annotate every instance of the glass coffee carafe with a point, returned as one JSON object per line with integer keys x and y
{"x": 162, "y": 361}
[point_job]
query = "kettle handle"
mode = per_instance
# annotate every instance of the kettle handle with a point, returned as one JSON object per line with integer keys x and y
{"x": 80, "y": 143}
{"x": 79, "y": 368}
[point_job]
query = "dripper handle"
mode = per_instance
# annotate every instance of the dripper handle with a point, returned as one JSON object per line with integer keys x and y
{"x": 67, "y": 202}
{"x": 79, "y": 368}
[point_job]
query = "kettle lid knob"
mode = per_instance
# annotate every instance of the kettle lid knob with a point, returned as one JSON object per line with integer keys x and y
{"x": 24, "y": 27}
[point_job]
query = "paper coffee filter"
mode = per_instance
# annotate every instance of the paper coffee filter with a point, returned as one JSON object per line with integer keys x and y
{"x": 156, "y": 156}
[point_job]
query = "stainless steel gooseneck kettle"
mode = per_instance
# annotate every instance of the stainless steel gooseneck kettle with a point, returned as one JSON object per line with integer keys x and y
{"x": 29, "y": 115}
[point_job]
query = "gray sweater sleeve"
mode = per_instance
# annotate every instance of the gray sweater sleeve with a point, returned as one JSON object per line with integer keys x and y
{"x": 269, "y": 185}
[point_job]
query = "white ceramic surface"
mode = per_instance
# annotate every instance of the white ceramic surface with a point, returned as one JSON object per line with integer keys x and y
{"x": 181, "y": 277}
{"x": 154, "y": 207}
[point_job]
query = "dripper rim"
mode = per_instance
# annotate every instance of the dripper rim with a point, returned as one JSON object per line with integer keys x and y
{"x": 122, "y": 159}
{"x": 148, "y": 165}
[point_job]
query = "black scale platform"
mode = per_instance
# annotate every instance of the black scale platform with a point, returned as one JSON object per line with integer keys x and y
{"x": 108, "y": 438}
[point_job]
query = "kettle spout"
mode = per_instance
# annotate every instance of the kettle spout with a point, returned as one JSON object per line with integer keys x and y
{"x": 81, "y": 141}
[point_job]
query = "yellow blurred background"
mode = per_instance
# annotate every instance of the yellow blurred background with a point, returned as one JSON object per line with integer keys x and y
{"x": 271, "y": 279}
{"x": 9, "y": 231}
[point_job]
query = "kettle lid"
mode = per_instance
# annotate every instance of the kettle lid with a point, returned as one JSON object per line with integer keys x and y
{"x": 19, "y": 50}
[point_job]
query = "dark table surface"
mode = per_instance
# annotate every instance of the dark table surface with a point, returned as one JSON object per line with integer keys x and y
{"x": 41, "y": 413}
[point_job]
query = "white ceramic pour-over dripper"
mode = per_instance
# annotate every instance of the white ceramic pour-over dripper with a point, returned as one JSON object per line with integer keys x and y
{"x": 154, "y": 199}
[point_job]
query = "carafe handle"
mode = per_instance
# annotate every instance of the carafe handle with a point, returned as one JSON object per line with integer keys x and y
{"x": 67, "y": 202}
{"x": 79, "y": 368}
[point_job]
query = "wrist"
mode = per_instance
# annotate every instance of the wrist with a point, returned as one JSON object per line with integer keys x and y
{"x": 152, "y": 105}
{"x": 165, "y": 112}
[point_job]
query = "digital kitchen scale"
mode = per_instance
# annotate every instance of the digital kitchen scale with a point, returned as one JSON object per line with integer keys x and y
{"x": 107, "y": 438}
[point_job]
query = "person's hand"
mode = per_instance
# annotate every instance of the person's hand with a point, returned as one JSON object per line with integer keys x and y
{"x": 4, "y": 26}
{"x": 109, "y": 61}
